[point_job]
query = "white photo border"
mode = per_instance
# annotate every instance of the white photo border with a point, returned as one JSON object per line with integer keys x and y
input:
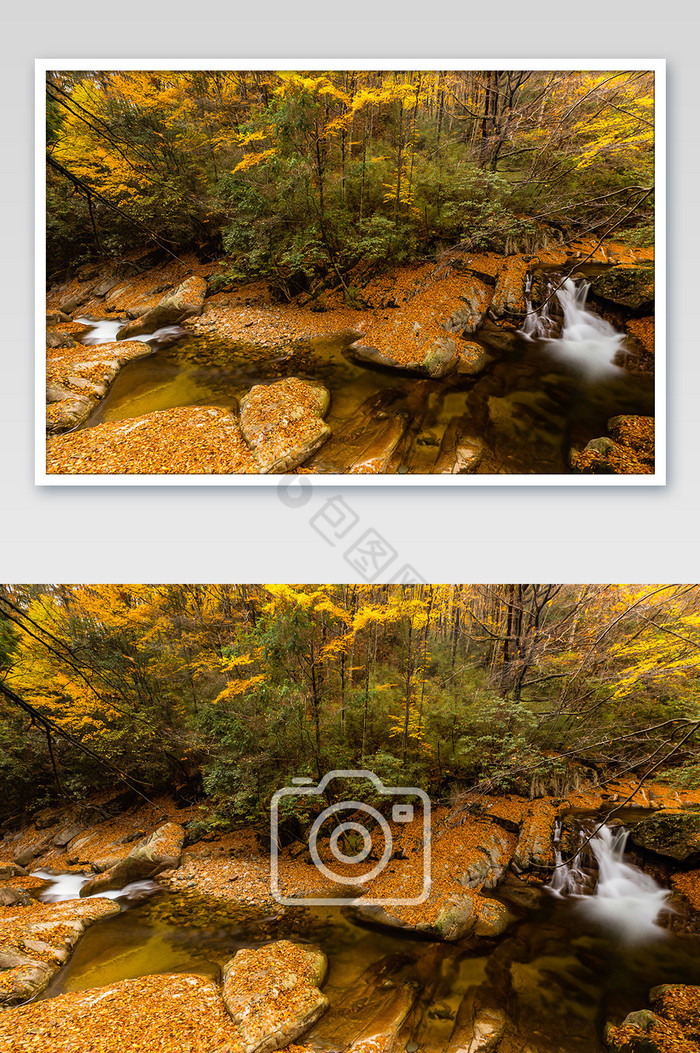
{"x": 658, "y": 66}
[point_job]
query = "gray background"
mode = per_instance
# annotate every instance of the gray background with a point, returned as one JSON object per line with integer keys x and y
{"x": 243, "y": 533}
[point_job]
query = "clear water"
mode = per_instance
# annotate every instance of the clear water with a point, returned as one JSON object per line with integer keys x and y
{"x": 559, "y": 973}
{"x": 530, "y": 405}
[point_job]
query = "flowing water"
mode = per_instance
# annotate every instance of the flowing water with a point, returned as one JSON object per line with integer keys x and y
{"x": 540, "y": 395}
{"x": 583, "y": 950}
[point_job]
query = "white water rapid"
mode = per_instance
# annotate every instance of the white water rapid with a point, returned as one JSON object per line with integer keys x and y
{"x": 104, "y": 331}
{"x": 624, "y": 899}
{"x": 586, "y": 342}
{"x": 68, "y": 886}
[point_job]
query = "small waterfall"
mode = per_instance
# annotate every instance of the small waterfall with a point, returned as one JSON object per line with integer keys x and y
{"x": 586, "y": 341}
{"x": 104, "y": 331}
{"x": 68, "y": 886}
{"x": 538, "y": 325}
{"x": 624, "y": 899}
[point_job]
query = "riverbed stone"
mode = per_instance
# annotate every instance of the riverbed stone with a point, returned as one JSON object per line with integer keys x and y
{"x": 184, "y": 302}
{"x": 671, "y": 833}
{"x": 283, "y": 422}
{"x": 159, "y": 851}
{"x": 273, "y": 995}
{"x": 461, "y": 452}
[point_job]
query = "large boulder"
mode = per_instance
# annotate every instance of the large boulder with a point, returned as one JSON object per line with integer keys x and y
{"x": 468, "y": 914}
{"x": 631, "y": 287}
{"x": 508, "y": 302}
{"x": 475, "y": 299}
{"x": 535, "y": 847}
{"x": 486, "y": 865}
{"x": 434, "y": 359}
{"x": 161, "y": 850}
{"x": 671, "y": 833}
{"x": 186, "y": 301}
{"x": 272, "y": 993}
{"x": 283, "y": 422}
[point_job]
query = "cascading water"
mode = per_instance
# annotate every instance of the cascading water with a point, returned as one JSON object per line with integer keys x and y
{"x": 68, "y": 886}
{"x": 104, "y": 331}
{"x": 624, "y": 898}
{"x": 586, "y": 342}
{"x": 538, "y": 325}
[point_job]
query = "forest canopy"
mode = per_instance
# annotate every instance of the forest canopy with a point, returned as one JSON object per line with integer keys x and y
{"x": 299, "y": 174}
{"x": 224, "y": 692}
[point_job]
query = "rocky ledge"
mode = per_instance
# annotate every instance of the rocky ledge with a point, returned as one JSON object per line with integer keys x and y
{"x": 37, "y": 938}
{"x": 78, "y": 376}
{"x": 269, "y": 998}
{"x": 280, "y": 426}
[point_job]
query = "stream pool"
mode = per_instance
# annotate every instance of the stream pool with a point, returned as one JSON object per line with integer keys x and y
{"x": 529, "y": 406}
{"x": 557, "y": 973}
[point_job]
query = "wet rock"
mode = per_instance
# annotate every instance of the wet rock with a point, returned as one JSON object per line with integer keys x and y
{"x": 77, "y": 378}
{"x": 631, "y": 287}
{"x": 369, "y": 1014}
{"x": 283, "y": 422}
{"x": 35, "y": 948}
{"x": 80, "y": 848}
{"x": 9, "y": 897}
{"x": 159, "y": 851}
{"x": 460, "y": 452}
{"x": 58, "y": 339}
{"x": 24, "y": 856}
{"x": 466, "y": 915}
{"x": 365, "y": 443}
{"x": 74, "y": 300}
{"x": 509, "y": 296}
{"x": 437, "y": 360}
{"x": 535, "y": 847}
{"x": 272, "y": 993}
{"x": 472, "y": 358}
{"x": 186, "y": 301}
{"x": 675, "y": 834}
{"x": 488, "y": 1028}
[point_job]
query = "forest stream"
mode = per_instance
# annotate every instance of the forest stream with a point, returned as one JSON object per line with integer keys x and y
{"x": 552, "y": 385}
{"x": 584, "y": 949}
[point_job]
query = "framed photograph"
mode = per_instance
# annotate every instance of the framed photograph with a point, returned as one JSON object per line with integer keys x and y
{"x": 368, "y": 274}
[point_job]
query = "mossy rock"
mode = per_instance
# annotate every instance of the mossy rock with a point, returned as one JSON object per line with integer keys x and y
{"x": 631, "y": 287}
{"x": 675, "y": 834}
